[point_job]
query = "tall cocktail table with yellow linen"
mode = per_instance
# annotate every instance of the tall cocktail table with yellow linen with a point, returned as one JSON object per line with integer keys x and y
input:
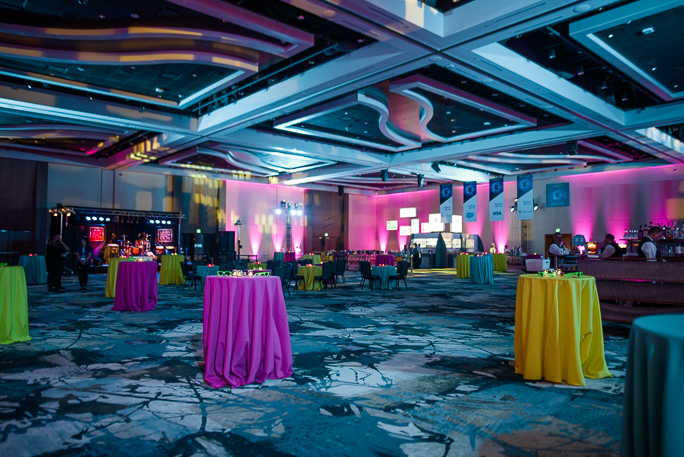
{"x": 558, "y": 330}
{"x": 171, "y": 272}
{"x": 309, "y": 273}
{"x": 463, "y": 266}
{"x": 314, "y": 257}
{"x": 384, "y": 273}
{"x": 14, "y": 327}
{"x": 500, "y": 262}
{"x": 112, "y": 270}
{"x": 654, "y": 388}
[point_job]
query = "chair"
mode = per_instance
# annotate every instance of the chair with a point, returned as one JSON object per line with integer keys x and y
{"x": 227, "y": 267}
{"x": 294, "y": 276}
{"x": 326, "y": 275}
{"x": 340, "y": 269}
{"x": 270, "y": 265}
{"x": 282, "y": 272}
{"x": 367, "y": 274}
{"x": 240, "y": 264}
{"x": 188, "y": 276}
{"x": 402, "y": 271}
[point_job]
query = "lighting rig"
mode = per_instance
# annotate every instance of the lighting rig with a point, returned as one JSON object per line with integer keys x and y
{"x": 289, "y": 210}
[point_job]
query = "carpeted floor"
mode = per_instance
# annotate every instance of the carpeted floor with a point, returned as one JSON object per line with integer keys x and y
{"x": 423, "y": 372}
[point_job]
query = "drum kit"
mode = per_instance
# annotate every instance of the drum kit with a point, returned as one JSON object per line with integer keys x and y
{"x": 141, "y": 247}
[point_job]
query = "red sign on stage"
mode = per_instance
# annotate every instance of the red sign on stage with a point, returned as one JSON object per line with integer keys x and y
{"x": 164, "y": 235}
{"x": 97, "y": 234}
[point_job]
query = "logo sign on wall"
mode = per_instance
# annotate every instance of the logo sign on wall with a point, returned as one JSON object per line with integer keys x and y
{"x": 164, "y": 235}
{"x": 446, "y": 207}
{"x": 470, "y": 201}
{"x": 392, "y": 225}
{"x": 558, "y": 194}
{"x": 407, "y": 212}
{"x": 405, "y": 230}
{"x": 425, "y": 227}
{"x": 97, "y": 234}
{"x": 435, "y": 221}
{"x": 415, "y": 226}
{"x": 525, "y": 198}
{"x": 496, "y": 199}
{"x": 456, "y": 223}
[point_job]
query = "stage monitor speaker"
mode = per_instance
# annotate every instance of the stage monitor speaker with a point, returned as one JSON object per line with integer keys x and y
{"x": 227, "y": 241}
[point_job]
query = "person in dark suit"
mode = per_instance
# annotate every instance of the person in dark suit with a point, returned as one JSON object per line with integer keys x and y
{"x": 416, "y": 256}
{"x": 54, "y": 259}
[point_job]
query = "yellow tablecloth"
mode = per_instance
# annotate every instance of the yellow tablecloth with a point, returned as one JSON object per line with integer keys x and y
{"x": 315, "y": 257}
{"x": 14, "y": 326}
{"x": 558, "y": 330}
{"x": 309, "y": 273}
{"x": 500, "y": 262}
{"x": 327, "y": 257}
{"x": 112, "y": 270}
{"x": 171, "y": 272}
{"x": 463, "y": 266}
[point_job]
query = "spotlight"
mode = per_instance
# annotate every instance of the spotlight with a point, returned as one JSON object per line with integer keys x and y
{"x": 435, "y": 166}
{"x": 107, "y": 219}
{"x": 68, "y": 214}
{"x": 163, "y": 222}
{"x": 299, "y": 212}
{"x": 552, "y": 53}
{"x": 278, "y": 211}
{"x": 102, "y": 219}
{"x": 283, "y": 204}
{"x": 571, "y": 147}
{"x": 54, "y": 214}
{"x": 512, "y": 209}
{"x": 292, "y": 212}
{"x": 87, "y": 218}
{"x": 384, "y": 174}
{"x": 156, "y": 221}
{"x": 536, "y": 207}
{"x": 151, "y": 221}
{"x": 421, "y": 180}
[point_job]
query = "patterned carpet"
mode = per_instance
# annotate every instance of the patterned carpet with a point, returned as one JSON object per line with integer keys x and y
{"x": 423, "y": 372}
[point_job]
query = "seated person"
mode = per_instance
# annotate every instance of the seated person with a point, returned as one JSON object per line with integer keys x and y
{"x": 611, "y": 248}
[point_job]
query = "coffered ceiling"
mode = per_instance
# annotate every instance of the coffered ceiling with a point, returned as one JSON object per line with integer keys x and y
{"x": 328, "y": 93}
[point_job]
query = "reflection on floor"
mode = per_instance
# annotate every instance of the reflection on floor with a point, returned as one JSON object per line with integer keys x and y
{"x": 423, "y": 372}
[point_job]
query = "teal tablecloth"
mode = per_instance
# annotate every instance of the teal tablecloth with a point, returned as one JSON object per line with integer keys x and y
{"x": 653, "y": 414}
{"x": 278, "y": 256}
{"x": 482, "y": 269}
{"x": 34, "y": 268}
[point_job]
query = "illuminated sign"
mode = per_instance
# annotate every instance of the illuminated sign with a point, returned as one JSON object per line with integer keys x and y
{"x": 456, "y": 243}
{"x": 415, "y": 226}
{"x": 435, "y": 218}
{"x": 405, "y": 230}
{"x": 97, "y": 234}
{"x": 470, "y": 243}
{"x": 456, "y": 223}
{"x": 425, "y": 227}
{"x": 392, "y": 225}
{"x": 407, "y": 212}
{"x": 164, "y": 235}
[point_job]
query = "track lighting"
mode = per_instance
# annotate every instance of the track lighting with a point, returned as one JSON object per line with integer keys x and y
{"x": 384, "y": 174}
{"x": 435, "y": 166}
{"x": 421, "y": 180}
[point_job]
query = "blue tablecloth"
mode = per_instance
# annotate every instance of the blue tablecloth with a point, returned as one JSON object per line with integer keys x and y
{"x": 34, "y": 268}
{"x": 482, "y": 270}
{"x": 653, "y": 414}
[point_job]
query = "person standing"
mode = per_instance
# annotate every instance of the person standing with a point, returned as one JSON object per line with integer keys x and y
{"x": 84, "y": 254}
{"x": 611, "y": 248}
{"x": 55, "y": 252}
{"x": 416, "y": 256}
{"x": 647, "y": 247}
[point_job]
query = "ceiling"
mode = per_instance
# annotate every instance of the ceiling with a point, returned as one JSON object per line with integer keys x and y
{"x": 323, "y": 94}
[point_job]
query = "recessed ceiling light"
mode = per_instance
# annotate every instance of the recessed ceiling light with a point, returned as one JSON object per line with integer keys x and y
{"x": 676, "y": 85}
{"x": 159, "y": 89}
{"x": 654, "y": 68}
{"x": 448, "y": 112}
{"x": 102, "y": 16}
{"x": 135, "y": 16}
{"x": 453, "y": 120}
{"x": 194, "y": 75}
{"x": 610, "y": 36}
{"x": 648, "y": 30}
{"x": 80, "y": 68}
{"x": 300, "y": 17}
{"x": 487, "y": 123}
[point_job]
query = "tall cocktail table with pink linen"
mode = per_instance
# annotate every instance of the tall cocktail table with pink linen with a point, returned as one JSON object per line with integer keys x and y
{"x": 246, "y": 333}
{"x": 136, "y": 287}
{"x": 384, "y": 260}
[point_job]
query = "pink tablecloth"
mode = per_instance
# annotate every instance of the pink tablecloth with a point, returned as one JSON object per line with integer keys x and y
{"x": 246, "y": 334}
{"x": 136, "y": 287}
{"x": 384, "y": 260}
{"x": 289, "y": 257}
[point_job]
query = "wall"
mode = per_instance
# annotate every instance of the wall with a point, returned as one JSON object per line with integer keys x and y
{"x": 360, "y": 222}
{"x": 263, "y": 231}
{"x": 325, "y": 214}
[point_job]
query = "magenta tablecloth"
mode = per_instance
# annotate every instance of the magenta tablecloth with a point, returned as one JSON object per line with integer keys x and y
{"x": 384, "y": 260}
{"x": 289, "y": 257}
{"x": 136, "y": 287}
{"x": 246, "y": 334}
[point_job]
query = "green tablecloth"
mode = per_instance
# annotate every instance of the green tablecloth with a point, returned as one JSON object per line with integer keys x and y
{"x": 309, "y": 273}
{"x": 500, "y": 262}
{"x": 171, "y": 272}
{"x": 112, "y": 270}
{"x": 315, "y": 257}
{"x": 14, "y": 325}
{"x": 34, "y": 268}
{"x": 463, "y": 266}
{"x": 481, "y": 269}
{"x": 653, "y": 414}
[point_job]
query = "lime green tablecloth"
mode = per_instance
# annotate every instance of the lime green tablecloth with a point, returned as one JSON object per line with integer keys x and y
{"x": 171, "y": 272}
{"x": 315, "y": 257}
{"x": 14, "y": 325}
{"x": 463, "y": 266}
{"x": 500, "y": 262}
{"x": 309, "y": 273}
{"x": 112, "y": 270}
{"x": 653, "y": 414}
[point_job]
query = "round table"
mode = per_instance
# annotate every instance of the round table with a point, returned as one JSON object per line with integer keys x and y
{"x": 112, "y": 269}
{"x": 14, "y": 326}
{"x": 171, "y": 272}
{"x": 203, "y": 271}
{"x": 309, "y": 273}
{"x": 314, "y": 257}
{"x": 34, "y": 268}
{"x": 481, "y": 269}
{"x": 136, "y": 286}
{"x": 463, "y": 266}
{"x": 384, "y": 273}
{"x": 654, "y": 388}
{"x": 382, "y": 259}
{"x": 558, "y": 329}
{"x": 279, "y": 256}
{"x": 500, "y": 262}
